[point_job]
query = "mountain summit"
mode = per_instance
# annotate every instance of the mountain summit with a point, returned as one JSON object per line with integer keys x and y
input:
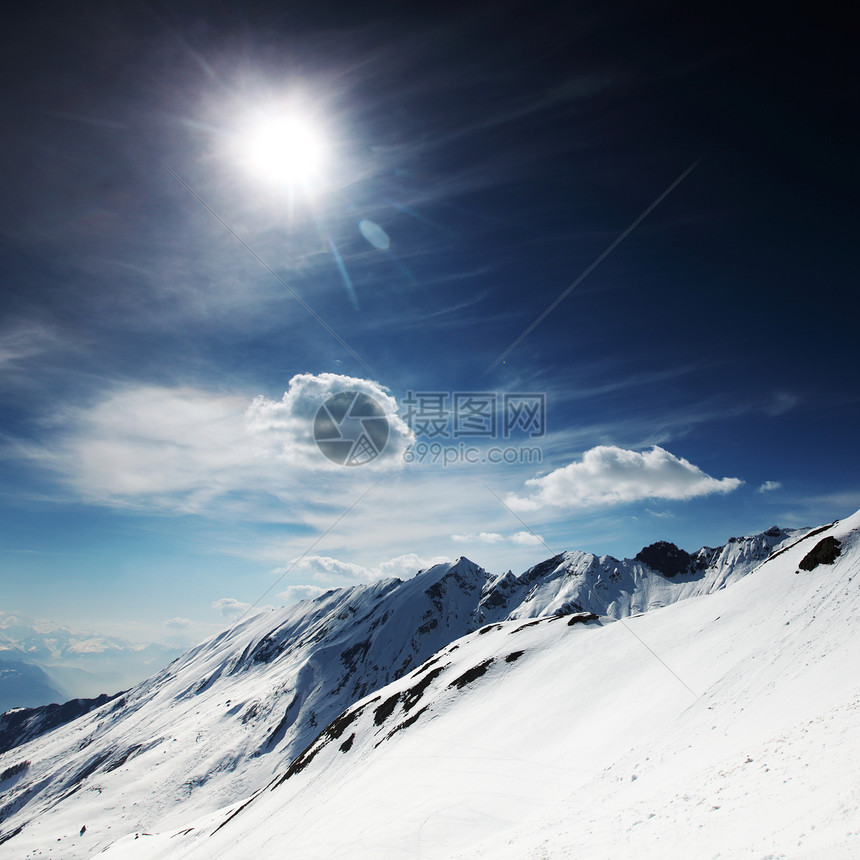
{"x": 238, "y": 711}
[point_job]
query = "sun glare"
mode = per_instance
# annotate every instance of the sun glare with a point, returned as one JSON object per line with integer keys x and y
{"x": 285, "y": 150}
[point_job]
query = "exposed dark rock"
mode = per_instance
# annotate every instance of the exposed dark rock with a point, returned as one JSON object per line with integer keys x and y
{"x": 514, "y": 655}
{"x": 331, "y": 732}
{"x": 545, "y": 567}
{"x": 123, "y": 757}
{"x": 411, "y": 696}
{"x": 428, "y": 663}
{"x": 666, "y": 558}
{"x": 339, "y": 725}
{"x": 268, "y": 648}
{"x": 353, "y": 656}
{"x": 89, "y": 769}
{"x": 15, "y": 769}
{"x": 581, "y": 618}
{"x": 18, "y": 727}
{"x": 495, "y": 599}
{"x": 807, "y": 536}
{"x": 705, "y": 557}
{"x": 432, "y": 624}
{"x": 5, "y": 837}
{"x": 826, "y": 551}
{"x": 386, "y": 709}
{"x": 488, "y": 628}
{"x": 472, "y": 674}
{"x": 404, "y": 725}
{"x": 527, "y": 624}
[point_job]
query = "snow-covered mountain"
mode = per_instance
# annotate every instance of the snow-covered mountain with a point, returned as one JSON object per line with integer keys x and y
{"x": 724, "y": 726}
{"x": 579, "y": 581}
{"x": 234, "y": 714}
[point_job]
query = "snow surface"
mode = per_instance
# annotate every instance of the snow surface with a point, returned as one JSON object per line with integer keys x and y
{"x": 601, "y": 738}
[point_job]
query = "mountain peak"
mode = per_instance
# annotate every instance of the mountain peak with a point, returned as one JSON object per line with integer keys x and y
{"x": 238, "y": 707}
{"x": 665, "y": 558}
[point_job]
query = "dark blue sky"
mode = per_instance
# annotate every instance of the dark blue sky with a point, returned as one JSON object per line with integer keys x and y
{"x": 150, "y": 288}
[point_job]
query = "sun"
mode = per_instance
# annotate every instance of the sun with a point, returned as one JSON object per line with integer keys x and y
{"x": 284, "y": 150}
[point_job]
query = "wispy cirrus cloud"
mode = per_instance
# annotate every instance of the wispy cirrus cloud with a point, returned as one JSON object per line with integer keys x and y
{"x": 184, "y": 447}
{"x": 25, "y": 340}
{"x": 608, "y": 475}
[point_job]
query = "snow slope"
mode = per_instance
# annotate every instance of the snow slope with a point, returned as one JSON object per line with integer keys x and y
{"x": 220, "y": 722}
{"x": 726, "y": 725}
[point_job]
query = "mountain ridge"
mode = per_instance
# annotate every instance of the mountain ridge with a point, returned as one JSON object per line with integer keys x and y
{"x": 733, "y": 732}
{"x": 237, "y": 708}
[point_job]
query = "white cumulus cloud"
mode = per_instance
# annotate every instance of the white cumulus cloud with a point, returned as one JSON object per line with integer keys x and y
{"x": 285, "y": 428}
{"x": 769, "y": 486}
{"x": 608, "y": 475}
{"x": 526, "y": 539}
{"x": 229, "y": 607}
{"x": 297, "y": 593}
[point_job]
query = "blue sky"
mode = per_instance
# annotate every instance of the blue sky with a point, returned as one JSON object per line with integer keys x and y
{"x": 174, "y": 313}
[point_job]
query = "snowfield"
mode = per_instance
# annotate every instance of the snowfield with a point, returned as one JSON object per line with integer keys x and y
{"x": 726, "y": 724}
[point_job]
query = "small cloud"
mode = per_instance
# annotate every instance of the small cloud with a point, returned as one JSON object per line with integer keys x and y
{"x": 526, "y": 539}
{"x": 608, "y": 475}
{"x": 179, "y": 623}
{"x": 478, "y": 537}
{"x": 769, "y": 486}
{"x": 297, "y": 593}
{"x": 229, "y": 607}
{"x": 780, "y": 402}
{"x": 519, "y": 538}
{"x": 333, "y": 571}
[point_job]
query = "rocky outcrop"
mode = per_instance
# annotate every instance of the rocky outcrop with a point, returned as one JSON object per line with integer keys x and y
{"x": 666, "y": 558}
{"x": 826, "y": 551}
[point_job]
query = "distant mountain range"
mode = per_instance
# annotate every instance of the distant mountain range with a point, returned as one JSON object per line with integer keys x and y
{"x": 47, "y": 663}
{"x": 25, "y": 685}
{"x": 263, "y": 716}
